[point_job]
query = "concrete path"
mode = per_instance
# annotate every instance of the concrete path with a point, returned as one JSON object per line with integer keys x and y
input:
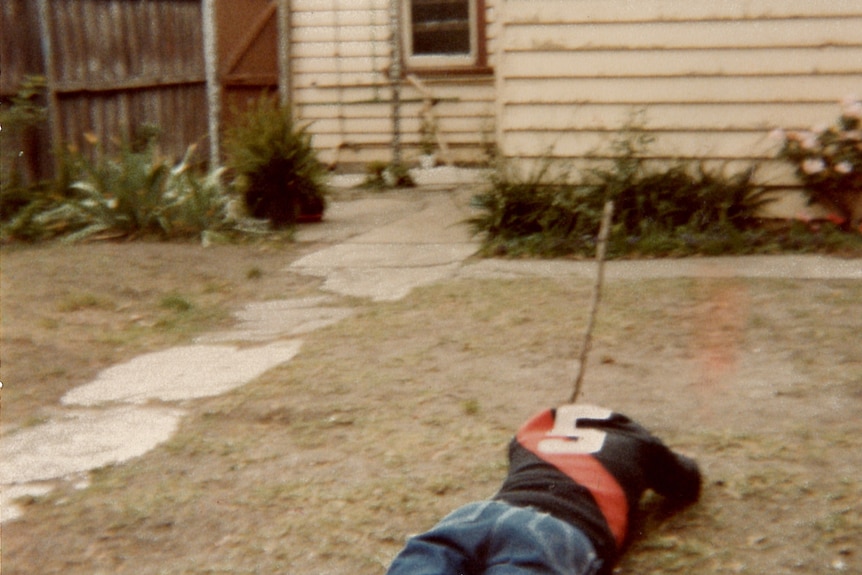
{"x": 373, "y": 246}
{"x": 387, "y": 261}
{"x": 789, "y": 266}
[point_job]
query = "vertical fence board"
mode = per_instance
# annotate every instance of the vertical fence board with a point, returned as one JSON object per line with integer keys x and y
{"x": 118, "y": 65}
{"x": 20, "y": 149}
{"x": 19, "y": 26}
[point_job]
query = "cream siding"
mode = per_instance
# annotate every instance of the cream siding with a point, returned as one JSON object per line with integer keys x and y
{"x": 340, "y": 56}
{"x": 711, "y": 78}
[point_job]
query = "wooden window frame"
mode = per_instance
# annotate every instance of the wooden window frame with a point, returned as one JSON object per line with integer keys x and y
{"x": 444, "y": 65}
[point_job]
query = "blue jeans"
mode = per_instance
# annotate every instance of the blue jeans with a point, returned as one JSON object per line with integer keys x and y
{"x": 495, "y": 538}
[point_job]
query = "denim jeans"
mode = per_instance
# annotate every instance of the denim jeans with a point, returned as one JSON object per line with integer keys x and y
{"x": 495, "y": 538}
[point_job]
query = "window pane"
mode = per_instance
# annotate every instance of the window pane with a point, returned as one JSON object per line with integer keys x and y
{"x": 440, "y": 27}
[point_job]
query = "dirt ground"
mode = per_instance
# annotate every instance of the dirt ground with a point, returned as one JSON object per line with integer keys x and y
{"x": 388, "y": 420}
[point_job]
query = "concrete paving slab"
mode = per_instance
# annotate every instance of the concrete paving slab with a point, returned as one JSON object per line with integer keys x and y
{"x": 82, "y": 440}
{"x": 181, "y": 373}
{"x": 346, "y": 219}
{"x": 440, "y": 221}
{"x": 382, "y": 255}
{"x": 385, "y": 284}
{"x": 384, "y": 263}
{"x": 265, "y": 321}
{"x": 383, "y": 272}
{"x": 789, "y": 266}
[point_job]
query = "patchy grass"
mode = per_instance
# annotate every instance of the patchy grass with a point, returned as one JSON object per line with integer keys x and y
{"x": 176, "y": 303}
{"x": 70, "y": 310}
{"x": 78, "y": 301}
{"x": 388, "y": 420}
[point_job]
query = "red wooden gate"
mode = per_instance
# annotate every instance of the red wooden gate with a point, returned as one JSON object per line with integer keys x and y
{"x": 247, "y": 32}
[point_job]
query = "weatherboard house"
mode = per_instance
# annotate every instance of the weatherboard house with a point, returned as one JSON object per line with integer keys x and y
{"x": 539, "y": 78}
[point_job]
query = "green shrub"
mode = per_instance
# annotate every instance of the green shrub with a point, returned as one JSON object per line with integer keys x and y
{"x": 520, "y": 211}
{"x": 197, "y": 203}
{"x": 176, "y": 303}
{"x": 681, "y": 209}
{"x": 137, "y": 192}
{"x": 275, "y": 166}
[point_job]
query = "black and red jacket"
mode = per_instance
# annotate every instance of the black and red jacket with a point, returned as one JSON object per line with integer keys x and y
{"x": 590, "y": 466}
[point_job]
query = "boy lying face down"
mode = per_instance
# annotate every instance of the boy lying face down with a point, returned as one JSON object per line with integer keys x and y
{"x": 576, "y": 476}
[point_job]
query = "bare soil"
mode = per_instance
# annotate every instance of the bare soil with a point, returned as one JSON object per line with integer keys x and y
{"x": 390, "y": 419}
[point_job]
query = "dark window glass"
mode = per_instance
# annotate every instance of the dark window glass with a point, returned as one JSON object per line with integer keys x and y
{"x": 440, "y": 27}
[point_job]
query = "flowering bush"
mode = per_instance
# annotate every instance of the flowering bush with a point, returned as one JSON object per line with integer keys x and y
{"x": 828, "y": 160}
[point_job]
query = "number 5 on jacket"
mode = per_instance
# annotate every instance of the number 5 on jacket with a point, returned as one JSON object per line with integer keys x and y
{"x": 566, "y": 438}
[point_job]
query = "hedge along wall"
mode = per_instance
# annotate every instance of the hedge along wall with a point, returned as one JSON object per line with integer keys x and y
{"x": 711, "y": 79}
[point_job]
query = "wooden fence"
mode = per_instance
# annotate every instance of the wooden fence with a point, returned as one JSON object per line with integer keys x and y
{"x": 111, "y": 67}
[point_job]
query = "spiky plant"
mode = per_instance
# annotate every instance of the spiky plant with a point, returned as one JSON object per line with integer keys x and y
{"x": 274, "y": 164}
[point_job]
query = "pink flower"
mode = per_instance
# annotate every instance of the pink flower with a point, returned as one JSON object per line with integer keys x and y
{"x": 808, "y": 141}
{"x": 844, "y": 167}
{"x": 778, "y": 134}
{"x": 804, "y": 216}
{"x": 813, "y": 166}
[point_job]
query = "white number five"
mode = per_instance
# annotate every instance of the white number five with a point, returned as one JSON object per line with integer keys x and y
{"x": 566, "y": 438}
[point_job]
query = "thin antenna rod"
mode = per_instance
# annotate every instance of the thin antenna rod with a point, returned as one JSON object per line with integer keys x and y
{"x": 604, "y": 231}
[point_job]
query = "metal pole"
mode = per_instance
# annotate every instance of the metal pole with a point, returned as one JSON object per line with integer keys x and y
{"x": 395, "y": 80}
{"x": 284, "y": 52}
{"x": 45, "y": 31}
{"x": 212, "y": 79}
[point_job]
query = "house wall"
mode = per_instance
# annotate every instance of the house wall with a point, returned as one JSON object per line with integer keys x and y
{"x": 340, "y": 57}
{"x": 711, "y": 78}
